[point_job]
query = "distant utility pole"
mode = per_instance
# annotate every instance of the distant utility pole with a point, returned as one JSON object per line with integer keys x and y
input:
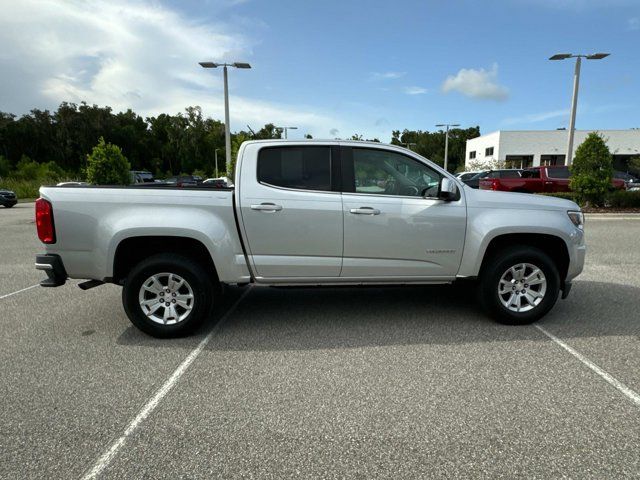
{"x": 285, "y": 130}
{"x": 446, "y": 141}
{"x": 574, "y": 97}
{"x": 216, "y": 156}
{"x": 227, "y": 128}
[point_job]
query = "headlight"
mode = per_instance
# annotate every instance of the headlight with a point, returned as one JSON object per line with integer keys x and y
{"x": 577, "y": 218}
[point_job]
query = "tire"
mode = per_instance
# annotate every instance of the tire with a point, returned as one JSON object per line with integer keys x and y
{"x": 189, "y": 296}
{"x": 504, "y": 279}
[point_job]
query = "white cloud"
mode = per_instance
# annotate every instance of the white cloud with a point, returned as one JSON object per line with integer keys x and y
{"x": 415, "y": 90}
{"x": 133, "y": 54}
{"x": 386, "y": 75}
{"x": 536, "y": 117}
{"x": 474, "y": 83}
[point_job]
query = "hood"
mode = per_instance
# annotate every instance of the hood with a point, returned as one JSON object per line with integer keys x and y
{"x": 520, "y": 201}
{"x": 2, "y": 190}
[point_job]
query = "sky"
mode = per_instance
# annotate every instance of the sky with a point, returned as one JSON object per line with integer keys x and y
{"x": 331, "y": 68}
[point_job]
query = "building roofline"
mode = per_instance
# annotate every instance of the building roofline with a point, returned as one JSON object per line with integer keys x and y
{"x": 556, "y": 130}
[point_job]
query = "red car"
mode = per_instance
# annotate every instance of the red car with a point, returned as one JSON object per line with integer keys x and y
{"x": 537, "y": 180}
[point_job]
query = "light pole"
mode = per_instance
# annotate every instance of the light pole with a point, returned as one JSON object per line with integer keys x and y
{"x": 446, "y": 141}
{"x": 285, "y": 130}
{"x": 574, "y": 98}
{"x": 216, "y": 157}
{"x": 227, "y": 127}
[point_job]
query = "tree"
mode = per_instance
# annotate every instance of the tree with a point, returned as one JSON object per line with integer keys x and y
{"x": 431, "y": 144}
{"x": 634, "y": 166}
{"x": 107, "y": 166}
{"x": 478, "y": 165}
{"x": 592, "y": 170}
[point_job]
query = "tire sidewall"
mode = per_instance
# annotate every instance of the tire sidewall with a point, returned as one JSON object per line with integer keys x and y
{"x": 494, "y": 271}
{"x": 193, "y": 274}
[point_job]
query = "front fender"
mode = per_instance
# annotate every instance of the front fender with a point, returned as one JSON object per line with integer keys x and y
{"x": 484, "y": 225}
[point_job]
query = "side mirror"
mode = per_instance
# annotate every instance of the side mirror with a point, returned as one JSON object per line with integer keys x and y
{"x": 448, "y": 190}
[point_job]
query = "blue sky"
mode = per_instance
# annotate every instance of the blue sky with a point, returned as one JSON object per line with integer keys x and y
{"x": 331, "y": 68}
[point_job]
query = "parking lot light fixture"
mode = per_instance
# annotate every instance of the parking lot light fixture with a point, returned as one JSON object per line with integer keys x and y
{"x": 227, "y": 127}
{"x": 285, "y": 129}
{"x": 574, "y": 97}
{"x": 446, "y": 141}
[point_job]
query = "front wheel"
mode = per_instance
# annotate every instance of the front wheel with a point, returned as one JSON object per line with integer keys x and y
{"x": 519, "y": 285}
{"x": 167, "y": 295}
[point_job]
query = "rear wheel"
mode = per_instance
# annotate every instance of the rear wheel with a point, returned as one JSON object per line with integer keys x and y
{"x": 519, "y": 285}
{"x": 167, "y": 295}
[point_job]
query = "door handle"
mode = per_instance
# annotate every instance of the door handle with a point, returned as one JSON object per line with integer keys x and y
{"x": 365, "y": 211}
{"x": 267, "y": 207}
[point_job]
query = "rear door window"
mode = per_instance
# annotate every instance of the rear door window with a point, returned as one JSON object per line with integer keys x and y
{"x": 560, "y": 172}
{"x": 302, "y": 168}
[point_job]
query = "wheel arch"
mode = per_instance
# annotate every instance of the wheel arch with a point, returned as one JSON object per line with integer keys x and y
{"x": 552, "y": 245}
{"x": 132, "y": 250}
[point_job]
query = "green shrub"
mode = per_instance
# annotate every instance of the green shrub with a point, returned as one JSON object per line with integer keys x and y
{"x": 5, "y": 166}
{"x": 592, "y": 170}
{"x": 107, "y": 166}
{"x": 573, "y": 196}
{"x": 623, "y": 199}
{"x": 24, "y": 188}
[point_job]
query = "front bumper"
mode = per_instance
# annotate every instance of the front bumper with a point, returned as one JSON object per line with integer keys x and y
{"x": 8, "y": 202}
{"x": 53, "y": 266}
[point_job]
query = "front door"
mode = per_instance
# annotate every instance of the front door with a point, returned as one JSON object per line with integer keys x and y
{"x": 291, "y": 211}
{"x": 394, "y": 224}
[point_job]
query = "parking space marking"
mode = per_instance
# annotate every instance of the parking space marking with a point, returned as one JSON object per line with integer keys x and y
{"x": 633, "y": 396}
{"x": 19, "y": 291}
{"x": 150, "y": 406}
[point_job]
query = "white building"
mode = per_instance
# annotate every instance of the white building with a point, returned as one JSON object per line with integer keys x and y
{"x": 532, "y": 148}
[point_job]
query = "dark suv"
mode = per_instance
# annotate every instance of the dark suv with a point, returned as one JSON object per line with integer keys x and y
{"x": 8, "y": 198}
{"x": 474, "y": 182}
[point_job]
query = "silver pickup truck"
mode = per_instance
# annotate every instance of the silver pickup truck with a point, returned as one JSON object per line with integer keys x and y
{"x": 310, "y": 213}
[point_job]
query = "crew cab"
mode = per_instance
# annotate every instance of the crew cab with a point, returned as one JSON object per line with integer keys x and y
{"x": 309, "y": 213}
{"x": 537, "y": 180}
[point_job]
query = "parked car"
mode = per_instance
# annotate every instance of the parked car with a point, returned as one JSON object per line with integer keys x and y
{"x": 141, "y": 176}
{"x": 8, "y": 198}
{"x": 537, "y": 180}
{"x": 631, "y": 181}
{"x": 466, "y": 175}
{"x": 182, "y": 181}
{"x": 215, "y": 182}
{"x": 474, "y": 182}
{"x": 72, "y": 184}
{"x": 297, "y": 217}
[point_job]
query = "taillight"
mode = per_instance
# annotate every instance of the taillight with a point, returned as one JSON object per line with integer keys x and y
{"x": 44, "y": 221}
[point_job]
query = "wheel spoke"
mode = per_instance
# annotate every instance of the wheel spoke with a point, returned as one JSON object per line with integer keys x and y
{"x": 154, "y": 287}
{"x": 154, "y": 308}
{"x": 150, "y": 302}
{"x": 183, "y": 304}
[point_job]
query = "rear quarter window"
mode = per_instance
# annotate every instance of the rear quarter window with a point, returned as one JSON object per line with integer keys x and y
{"x": 302, "y": 168}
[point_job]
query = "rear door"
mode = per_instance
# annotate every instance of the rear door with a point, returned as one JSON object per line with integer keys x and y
{"x": 557, "y": 179}
{"x": 395, "y": 227}
{"x": 291, "y": 210}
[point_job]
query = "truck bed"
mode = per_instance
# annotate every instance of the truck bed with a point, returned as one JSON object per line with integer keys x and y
{"x": 92, "y": 220}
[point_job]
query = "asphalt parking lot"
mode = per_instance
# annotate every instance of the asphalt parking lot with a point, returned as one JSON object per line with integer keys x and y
{"x": 410, "y": 382}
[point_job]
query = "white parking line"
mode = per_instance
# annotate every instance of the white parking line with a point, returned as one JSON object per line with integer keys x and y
{"x": 150, "y": 406}
{"x": 19, "y": 291}
{"x": 633, "y": 396}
